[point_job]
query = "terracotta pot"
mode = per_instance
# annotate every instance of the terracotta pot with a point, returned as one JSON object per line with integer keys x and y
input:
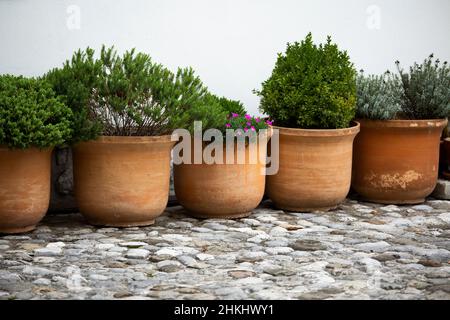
{"x": 315, "y": 169}
{"x": 122, "y": 181}
{"x": 397, "y": 161}
{"x": 24, "y": 188}
{"x": 220, "y": 190}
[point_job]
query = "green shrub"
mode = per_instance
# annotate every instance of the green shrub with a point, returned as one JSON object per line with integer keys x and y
{"x": 311, "y": 87}
{"x": 31, "y": 115}
{"x": 135, "y": 96}
{"x": 74, "y": 82}
{"x": 231, "y": 106}
{"x": 378, "y": 97}
{"x": 426, "y": 90}
{"x": 130, "y": 95}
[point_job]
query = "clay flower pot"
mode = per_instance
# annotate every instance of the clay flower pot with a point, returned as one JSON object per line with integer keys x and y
{"x": 315, "y": 169}
{"x": 397, "y": 161}
{"x": 122, "y": 181}
{"x": 24, "y": 188}
{"x": 220, "y": 190}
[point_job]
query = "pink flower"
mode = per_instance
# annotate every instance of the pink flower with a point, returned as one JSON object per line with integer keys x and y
{"x": 249, "y": 123}
{"x": 228, "y": 125}
{"x": 248, "y": 117}
{"x": 245, "y": 129}
{"x": 257, "y": 120}
{"x": 253, "y": 128}
{"x": 234, "y": 115}
{"x": 269, "y": 122}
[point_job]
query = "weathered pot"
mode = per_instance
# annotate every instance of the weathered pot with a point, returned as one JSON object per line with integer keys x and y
{"x": 122, "y": 181}
{"x": 314, "y": 169}
{"x": 397, "y": 161}
{"x": 24, "y": 188}
{"x": 221, "y": 190}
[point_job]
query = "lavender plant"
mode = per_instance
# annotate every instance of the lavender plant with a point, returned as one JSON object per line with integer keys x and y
{"x": 426, "y": 90}
{"x": 379, "y": 97}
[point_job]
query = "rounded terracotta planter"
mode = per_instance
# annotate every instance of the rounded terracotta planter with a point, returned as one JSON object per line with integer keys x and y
{"x": 314, "y": 169}
{"x": 122, "y": 181}
{"x": 24, "y": 188}
{"x": 397, "y": 161}
{"x": 226, "y": 191}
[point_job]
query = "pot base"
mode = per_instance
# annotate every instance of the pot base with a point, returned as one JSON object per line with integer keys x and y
{"x": 17, "y": 230}
{"x": 291, "y": 209}
{"x": 228, "y": 216}
{"x": 400, "y": 202}
{"x": 122, "y": 225}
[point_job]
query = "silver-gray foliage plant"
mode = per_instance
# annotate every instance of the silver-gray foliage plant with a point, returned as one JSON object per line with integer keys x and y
{"x": 426, "y": 90}
{"x": 421, "y": 93}
{"x": 379, "y": 97}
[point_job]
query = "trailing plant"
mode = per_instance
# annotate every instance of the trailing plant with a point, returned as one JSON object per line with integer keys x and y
{"x": 312, "y": 87}
{"x": 426, "y": 90}
{"x": 246, "y": 123}
{"x": 379, "y": 97}
{"x": 31, "y": 115}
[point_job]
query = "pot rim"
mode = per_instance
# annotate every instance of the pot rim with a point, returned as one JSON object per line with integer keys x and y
{"x": 130, "y": 140}
{"x": 352, "y": 130}
{"x": 29, "y": 149}
{"x": 404, "y": 123}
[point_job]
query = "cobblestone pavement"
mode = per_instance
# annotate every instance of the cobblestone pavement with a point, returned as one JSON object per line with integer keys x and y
{"x": 359, "y": 251}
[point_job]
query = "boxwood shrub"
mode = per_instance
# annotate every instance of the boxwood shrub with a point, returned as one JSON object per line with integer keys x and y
{"x": 31, "y": 115}
{"x": 311, "y": 87}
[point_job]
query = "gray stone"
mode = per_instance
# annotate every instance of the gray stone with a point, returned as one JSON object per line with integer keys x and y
{"x": 133, "y": 244}
{"x": 168, "y": 252}
{"x": 423, "y": 207}
{"x": 38, "y": 271}
{"x": 239, "y": 274}
{"x": 276, "y": 270}
{"x": 442, "y": 190}
{"x": 190, "y": 262}
{"x": 252, "y": 256}
{"x": 307, "y": 245}
{"x": 98, "y": 277}
{"x": 277, "y": 243}
{"x": 279, "y": 250}
{"x": 231, "y": 293}
{"x": 42, "y": 282}
{"x": 379, "y": 246}
{"x": 445, "y": 217}
{"x": 137, "y": 253}
{"x": 168, "y": 266}
{"x": 52, "y": 251}
{"x": 204, "y": 257}
{"x": 259, "y": 238}
{"x": 370, "y": 265}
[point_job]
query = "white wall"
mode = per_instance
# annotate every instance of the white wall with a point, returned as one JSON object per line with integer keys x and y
{"x": 232, "y": 44}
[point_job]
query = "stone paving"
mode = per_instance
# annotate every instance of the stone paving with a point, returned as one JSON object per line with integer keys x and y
{"x": 358, "y": 251}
